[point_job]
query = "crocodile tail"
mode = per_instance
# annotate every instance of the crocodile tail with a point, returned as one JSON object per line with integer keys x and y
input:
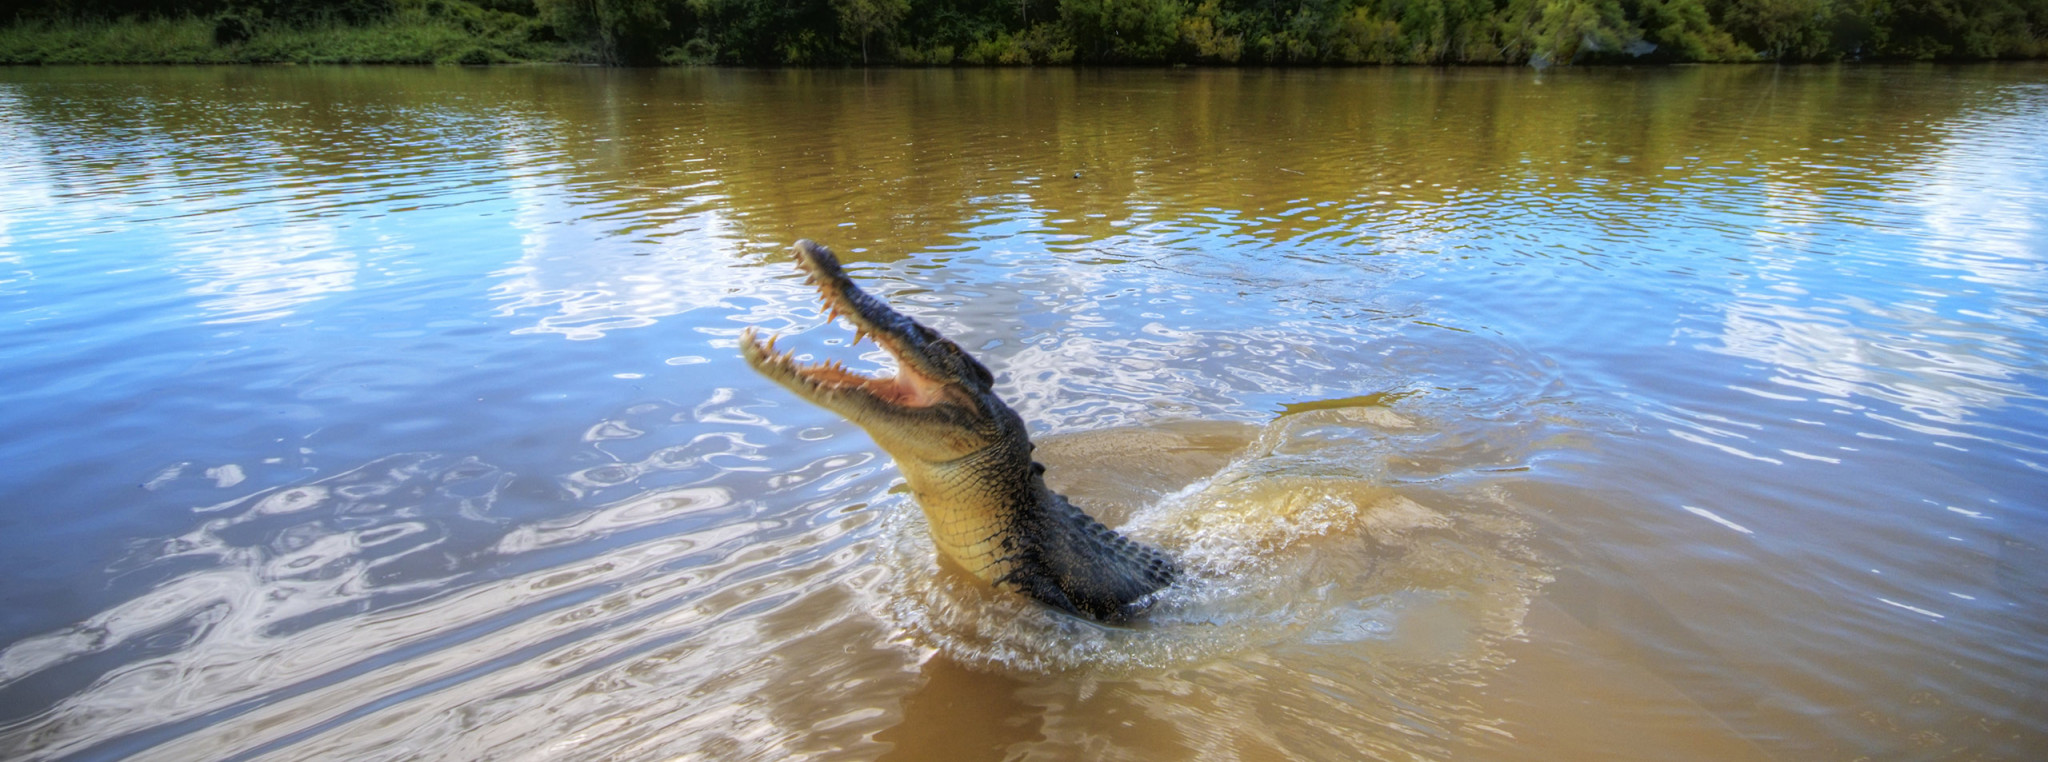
{"x": 1097, "y": 571}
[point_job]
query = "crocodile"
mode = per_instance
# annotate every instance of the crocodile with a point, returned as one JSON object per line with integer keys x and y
{"x": 967, "y": 458}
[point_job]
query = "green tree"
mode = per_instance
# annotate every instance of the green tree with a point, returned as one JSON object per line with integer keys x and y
{"x": 1207, "y": 35}
{"x": 1561, "y": 31}
{"x": 1782, "y": 30}
{"x": 1122, "y": 30}
{"x": 618, "y": 31}
{"x": 1362, "y": 37}
{"x": 861, "y": 19}
{"x": 1682, "y": 30}
{"x": 1966, "y": 28}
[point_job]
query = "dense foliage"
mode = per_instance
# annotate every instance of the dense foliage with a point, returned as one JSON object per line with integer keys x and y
{"x": 986, "y": 32}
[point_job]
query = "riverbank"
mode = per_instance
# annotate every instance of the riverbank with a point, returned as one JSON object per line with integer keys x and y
{"x": 468, "y": 35}
{"x": 1032, "y": 32}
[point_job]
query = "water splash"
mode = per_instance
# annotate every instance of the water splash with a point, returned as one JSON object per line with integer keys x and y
{"x": 1297, "y": 538}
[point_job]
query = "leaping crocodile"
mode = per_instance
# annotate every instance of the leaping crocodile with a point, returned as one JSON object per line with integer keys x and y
{"x": 967, "y": 458}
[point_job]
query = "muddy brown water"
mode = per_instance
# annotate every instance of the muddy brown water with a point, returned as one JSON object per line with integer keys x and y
{"x": 392, "y": 413}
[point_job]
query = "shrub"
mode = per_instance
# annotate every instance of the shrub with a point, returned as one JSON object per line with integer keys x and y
{"x": 231, "y": 29}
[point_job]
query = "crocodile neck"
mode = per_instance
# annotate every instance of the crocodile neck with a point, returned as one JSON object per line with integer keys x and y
{"x": 994, "y": 516}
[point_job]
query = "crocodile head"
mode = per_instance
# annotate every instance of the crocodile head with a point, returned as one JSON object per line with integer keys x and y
{"x": 939, "y": 408}
{"x": 967, "y": 458}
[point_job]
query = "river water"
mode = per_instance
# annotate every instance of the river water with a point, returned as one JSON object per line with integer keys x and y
{"x": 368, "y": 413}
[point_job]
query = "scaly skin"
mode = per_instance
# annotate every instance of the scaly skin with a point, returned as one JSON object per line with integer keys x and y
{"x": 967, "y": 458}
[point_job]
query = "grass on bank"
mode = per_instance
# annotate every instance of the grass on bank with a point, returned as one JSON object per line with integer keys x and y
{"x": 428, "y": 33}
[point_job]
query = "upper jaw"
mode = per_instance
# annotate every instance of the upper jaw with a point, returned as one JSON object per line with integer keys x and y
{"x": 911, "y": 344}
{"x": 918, "y": 383}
